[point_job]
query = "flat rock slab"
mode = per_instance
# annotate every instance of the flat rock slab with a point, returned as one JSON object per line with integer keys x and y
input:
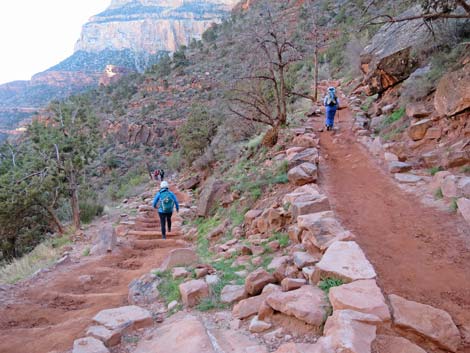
{"x": 126, "y": 317}
{"x": 363, "y": 296}
{"x": 300, "y": 348}
{"x": 231, "y": 341}
{"x": 89, "y": 345}
{"x": 108, "y": 337}
{"x": 345, "y": 260}
{"x": 432, "y": 323}
{"x": 181, "y": 334}
{"x": 349, "y": 331}
{"x": 463, "y": 205}
{"x": 399, "y": 167}
{"x": 392, "y": 344}
{"x": 307, "y": 304}
{"x": 232, "y": 293}
{"x": 179, "y": 257}
{"x": 407, "y": 178}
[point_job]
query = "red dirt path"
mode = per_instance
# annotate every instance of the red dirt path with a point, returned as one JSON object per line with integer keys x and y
{"x": 419, "y": 252}
{"x": 46, "y": 314}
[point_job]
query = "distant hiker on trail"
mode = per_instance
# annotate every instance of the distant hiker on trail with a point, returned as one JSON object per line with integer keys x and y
{"x": 331, "y": 104}
{"x": 162, "y": 174}
{"x": 166, "y": 201}
{"x": 156, "y": 173}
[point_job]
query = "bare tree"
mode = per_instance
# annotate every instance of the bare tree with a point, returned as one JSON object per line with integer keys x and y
{"x": 431, "y": 10}
{"x": 260, "y": 93}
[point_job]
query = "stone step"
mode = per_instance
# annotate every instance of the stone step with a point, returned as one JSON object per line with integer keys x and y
{"x": 157, "y": 243}
{"x": 147, "y": 220}
{"x": 153, "y": 234}
{"x": 144, "y": 226}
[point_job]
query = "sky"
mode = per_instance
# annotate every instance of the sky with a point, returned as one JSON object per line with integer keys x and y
{"x": 37, "y": 34}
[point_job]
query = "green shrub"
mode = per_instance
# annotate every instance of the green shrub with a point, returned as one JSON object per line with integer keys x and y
{"x": 169, "y": 287}
{"x": 434, "y": 170}
{"x": 453, "y": 204}
{"x": 395, "y": 116}
{"x": 438, "y": 194}
{"x": 327, "y": 283}
{"x": 89, "y": 209}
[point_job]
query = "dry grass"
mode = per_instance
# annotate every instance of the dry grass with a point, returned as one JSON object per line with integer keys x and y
{"x": 42, "y": 256}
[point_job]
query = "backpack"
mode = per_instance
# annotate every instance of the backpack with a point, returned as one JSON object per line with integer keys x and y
{"x": 167, "y": 203}
{"x": 331, "y": 101}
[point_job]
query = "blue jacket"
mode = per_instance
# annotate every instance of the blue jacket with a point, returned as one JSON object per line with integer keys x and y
{"x": 157, "y": 198}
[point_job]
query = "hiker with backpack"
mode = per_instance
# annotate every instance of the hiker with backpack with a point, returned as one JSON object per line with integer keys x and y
{"x": 166, "y": 201}
{"x": 331, "y": 104}
{"x": 156, "y": 173}
{"x": 162, "y": 174}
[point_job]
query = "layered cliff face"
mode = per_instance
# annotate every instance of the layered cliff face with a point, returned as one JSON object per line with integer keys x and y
{"x": 150, "y": 25}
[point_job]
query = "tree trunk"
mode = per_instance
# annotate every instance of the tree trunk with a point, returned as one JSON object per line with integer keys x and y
{"x": 74, "y": 200}
{"x": 315, "y": 75}
{"x": 283, "y": 97}
{"x": 55, "y": 220}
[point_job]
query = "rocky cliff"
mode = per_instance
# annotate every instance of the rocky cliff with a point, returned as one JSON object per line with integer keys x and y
{"x": 150, "y": 25}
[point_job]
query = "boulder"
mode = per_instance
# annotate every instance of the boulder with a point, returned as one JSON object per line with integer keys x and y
{"x": 257, "y": 325}
{"x": 388, "y": 59}
{"x": 392, "y": 344}
{"x": 297, "y": 156}
{"x": 213, "y": 190}
{"x": 463, "y": 186}
{"x": 89, "y": 345}
{"x": 345, "y": 260}
{"x": 251, "y": 215}
{"x": 278, "y": 262}
{"x": 108, "y": 337}
{"x": 309, "y": 204}
{"x": 417, "y": 110}
{"x": 255, "y": 281}
{"x": 399, "y": 167}
{"x": 183, "y": 333}
{"x": 321, "y": 230}
{"x": 144, "y": 289}
{"x": 417, "y": 130}
{"x": 308, "y": 304}
{"x": 179, "y": 257}
{"x": 449, "y": 186}
{"x": 294, "y": 233}
{"x": 433, "y": 133}
{"x": 425, "y": 320}
{"x": 305, "y": 141}
{"x": 190, "y": 183}
{"x": 349, "y": 331}
{"x": 193, "y": 291}
{"x": 463, "y": 205}
{"x": 437, "y": 180}
{"x": 363, "y": 296}
{"x": 179, "y": 272}
{"x": 307, "y": 190}
{"x": 453, "y": 92}
{"x": 288, "y": 284}
{"x": 232, "y": 293}
{"x": 251, "y": 306}
{"x": 127, "y": 317}
{"x": 303, "y": 259}
{"x": 105, "y": 242}
{"x": 303, "y": 174}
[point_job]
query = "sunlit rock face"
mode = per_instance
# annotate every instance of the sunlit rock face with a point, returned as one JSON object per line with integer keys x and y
{"x": 150, "y": 25}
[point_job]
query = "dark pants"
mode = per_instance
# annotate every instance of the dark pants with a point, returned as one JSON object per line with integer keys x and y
{"x": 165, "y": 218}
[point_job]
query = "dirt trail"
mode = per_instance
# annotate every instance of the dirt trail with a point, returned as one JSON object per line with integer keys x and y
{"x": 419, "y": 252}
{"x": 47, "y": 313}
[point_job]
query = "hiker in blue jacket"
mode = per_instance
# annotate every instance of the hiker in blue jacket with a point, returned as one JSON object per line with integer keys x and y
{"x": 331, "y": 103}
{"x": 166, "y": 201}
